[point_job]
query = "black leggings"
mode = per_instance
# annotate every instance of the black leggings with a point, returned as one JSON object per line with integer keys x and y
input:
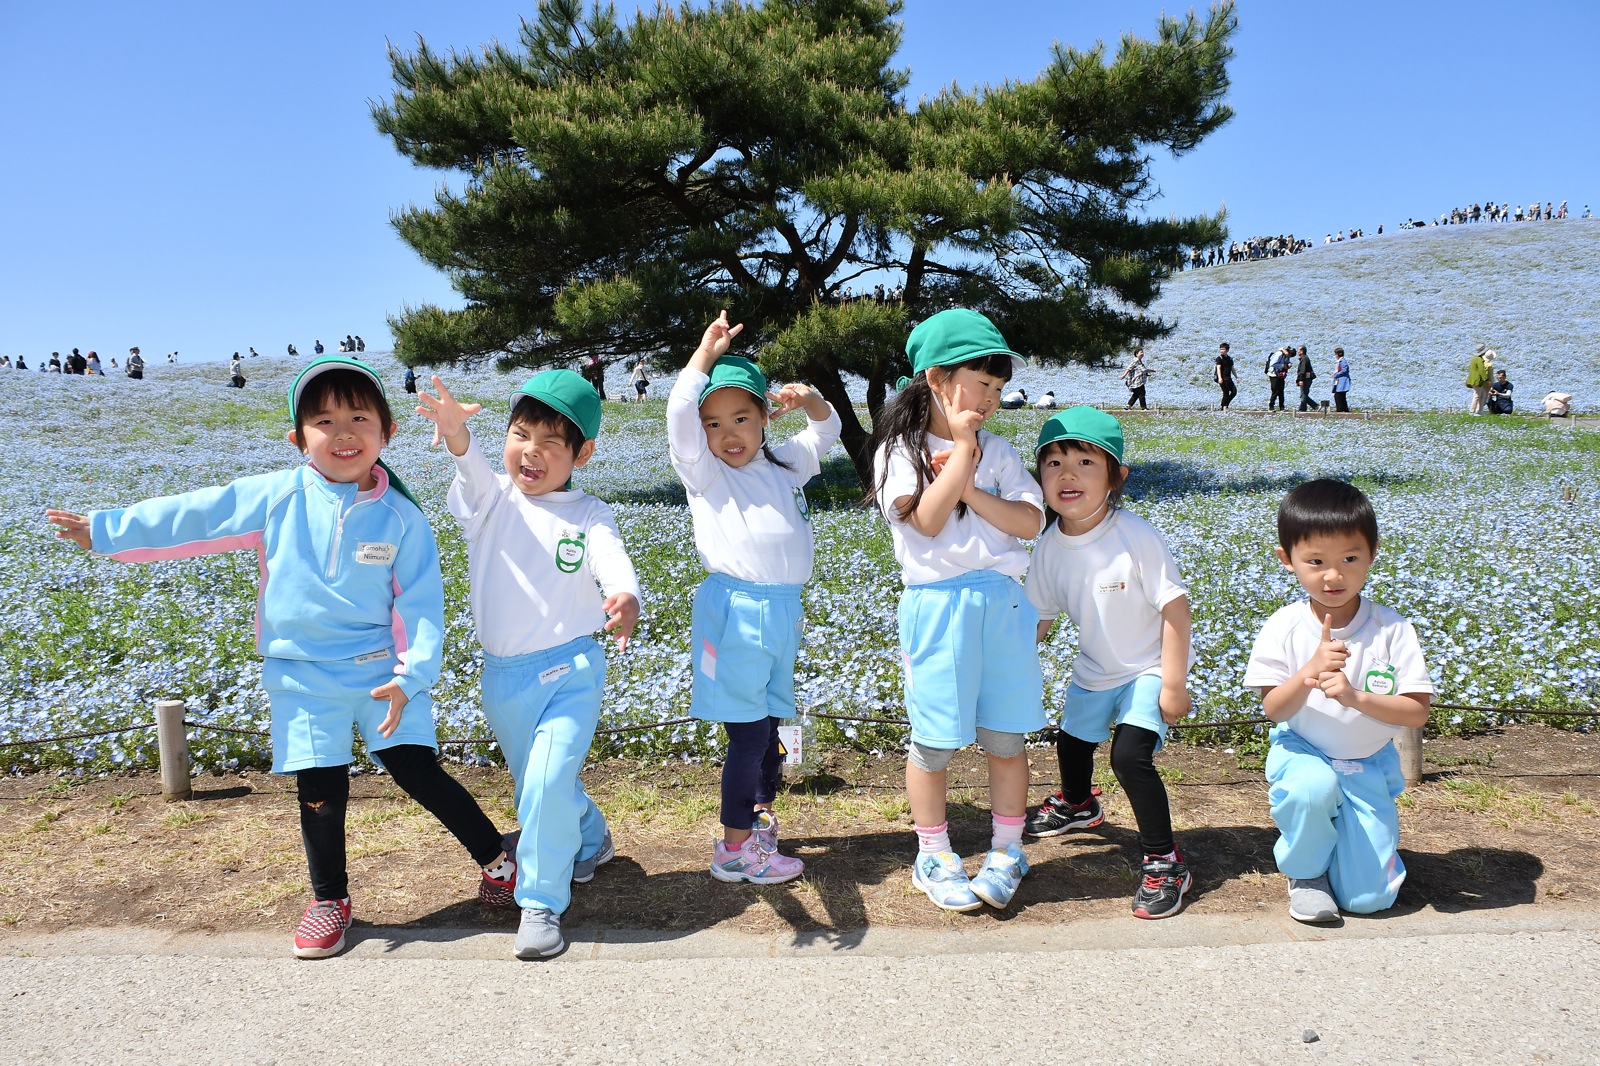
{"x": 1276, "y": 399}
{"x": 1133, "y": 751}
{"x": 751, "y": 772}
{"x": 324, "y": 793}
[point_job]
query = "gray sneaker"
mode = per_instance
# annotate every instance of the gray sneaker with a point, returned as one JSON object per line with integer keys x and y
{"x": 539, "y": 935}
{"x": 583, "y": 870}
{"x": 1311, "y": 900}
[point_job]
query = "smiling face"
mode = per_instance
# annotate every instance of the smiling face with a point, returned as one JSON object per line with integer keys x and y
{"x": 539, "y": 456}
{"x": 343, "y": 438}
{"x": 1079, "y": 482}
{"x": 735, "y": 423}
{"x": 1332, "y": 568}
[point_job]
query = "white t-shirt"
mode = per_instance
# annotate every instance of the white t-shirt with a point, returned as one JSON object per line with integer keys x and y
{"x": 533, "y": 560}
{"x": 967, "y": 542}
{"x": 1112, "y": 582}
{"x": 1385, "y": 658}
{"x": 750, "y": 522}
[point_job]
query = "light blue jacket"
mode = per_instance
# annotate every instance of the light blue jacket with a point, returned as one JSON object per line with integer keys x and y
{"x": 339, "y": 579}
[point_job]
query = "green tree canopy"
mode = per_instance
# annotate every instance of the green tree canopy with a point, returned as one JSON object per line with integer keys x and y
{"x": 624, "y": 180}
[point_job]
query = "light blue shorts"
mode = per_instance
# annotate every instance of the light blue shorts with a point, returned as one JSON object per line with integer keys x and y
{"x": 744, "y": 636}
{"x": 317, "y": 705}
{"x": 1090, "y": 715}
{"x": 970, "y": 659}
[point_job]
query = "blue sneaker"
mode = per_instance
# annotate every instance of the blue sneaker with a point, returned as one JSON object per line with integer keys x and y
{"x": 941, "y": 875}
{"x": 1002, "y": 872}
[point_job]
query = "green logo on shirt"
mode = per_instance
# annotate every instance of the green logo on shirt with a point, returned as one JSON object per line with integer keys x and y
{"x": 569, "y": 552}
{"x": 802, "y": 505}
{"x": 1380, "y": 681}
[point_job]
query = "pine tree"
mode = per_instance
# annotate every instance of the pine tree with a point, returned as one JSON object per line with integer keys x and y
{"x": 625, "y": 180}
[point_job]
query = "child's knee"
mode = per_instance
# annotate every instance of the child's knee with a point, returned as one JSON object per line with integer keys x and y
{"x": 1133, "y": 752}
{"x": 1310, "y": 786}
{"x": 323, "y": 790}
{"x": 1001, "y": 745}
{"x": 929, "y": 760}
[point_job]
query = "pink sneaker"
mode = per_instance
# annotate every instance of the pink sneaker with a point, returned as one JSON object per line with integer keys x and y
{"x": 754, "y": 863}
{"x": 321, "y": 929}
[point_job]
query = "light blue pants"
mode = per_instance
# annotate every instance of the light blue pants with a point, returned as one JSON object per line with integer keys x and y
{"x": 543, "y": 708}
{"x": 744, "y": 638}
{"x": 1338, "y": 817}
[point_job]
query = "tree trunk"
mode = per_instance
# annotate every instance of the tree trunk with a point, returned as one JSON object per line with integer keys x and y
{"x": 853, "y": 435}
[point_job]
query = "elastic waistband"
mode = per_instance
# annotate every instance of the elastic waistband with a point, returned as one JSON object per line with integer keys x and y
{"x": 544, "y": 656}
{"x": 769, "y": 589}
{"x": 972, "y": 579}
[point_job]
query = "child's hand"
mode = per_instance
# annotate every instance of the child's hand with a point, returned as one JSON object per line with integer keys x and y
{"x": 1330, "y": 657}
{"x": 794, "y": 396}
{"x": 448, "y": 415}
{"x": 719, "y": 335}
{"x": 622, "y": 614}
{"x": 964, "y": 426}
{"x": 397, "y": 702}
{"x": 1174, "y": 703}
{"x": 1337, "y": 687}
{"x": 74, "y": 527}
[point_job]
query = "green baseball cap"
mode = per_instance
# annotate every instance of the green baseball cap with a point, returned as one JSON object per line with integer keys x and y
{"x": 737, "y": 372}
{"x": 955, "y": 336}
{"x": 568, "y": 393}
{"x": 1089, "y": 424}
{"x": 322, "y": 365}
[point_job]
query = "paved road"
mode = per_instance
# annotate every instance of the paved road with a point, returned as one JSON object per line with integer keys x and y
{"x": 1506, "y": 986}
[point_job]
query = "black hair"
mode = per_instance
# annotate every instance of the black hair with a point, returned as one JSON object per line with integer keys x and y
{"x": 349, "y": 387}
{"x": 536, "y": 414}
{"x": 1325, "y": 507}
{"x": 1117, "y": 482}
{"x": 903, "y": 422}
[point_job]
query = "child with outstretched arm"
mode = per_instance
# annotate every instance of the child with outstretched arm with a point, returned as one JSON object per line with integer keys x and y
{"x": 350, "y": 621}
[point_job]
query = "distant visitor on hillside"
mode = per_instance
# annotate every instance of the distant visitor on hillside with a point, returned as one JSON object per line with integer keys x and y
{"x": 1341, "y": 381}
{"x": 134, "y": 368}
{"x": 236, "y": 372}
{"x": 1277, "y": 373}
{"x": 1135, "y": 377}
{"x": 640, "y": 381}
{"x": 1500, "y": 394}
{"x": 1304, "y": 375}
{"x": 1478, "y": 377}
{"x": 1047, "y": 402}
{"x": 1222, "y": 374}
{"x": 1014, "y": 400}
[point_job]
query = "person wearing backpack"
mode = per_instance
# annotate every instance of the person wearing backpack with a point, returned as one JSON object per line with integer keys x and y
{"x": 1277, "y": 373}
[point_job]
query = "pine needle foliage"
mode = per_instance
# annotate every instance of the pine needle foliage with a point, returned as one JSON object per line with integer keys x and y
{"x": 620, "y": 181}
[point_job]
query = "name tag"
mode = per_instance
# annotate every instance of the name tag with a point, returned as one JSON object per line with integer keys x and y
{"x": 555, "y": 673}
{"x": 372, "y": 656}
{"x": 1347, "y": 766}
{"x": 1380, "y": 680}
{"x": 1111, "y": 586}
{"x": 375, "y": 552}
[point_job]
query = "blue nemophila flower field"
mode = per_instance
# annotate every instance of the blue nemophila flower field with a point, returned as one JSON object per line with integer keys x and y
{"x": 1480, "y": 549}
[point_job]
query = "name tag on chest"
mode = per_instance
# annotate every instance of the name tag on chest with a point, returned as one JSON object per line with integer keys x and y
{"x": 375, "y": 552}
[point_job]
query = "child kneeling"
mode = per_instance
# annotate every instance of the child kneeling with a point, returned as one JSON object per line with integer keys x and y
{"x": 1341, "y": 676}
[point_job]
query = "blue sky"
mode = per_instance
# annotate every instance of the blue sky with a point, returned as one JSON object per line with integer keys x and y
{"x": 205, "y": 177}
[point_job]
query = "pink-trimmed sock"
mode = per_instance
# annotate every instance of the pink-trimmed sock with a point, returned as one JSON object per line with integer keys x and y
{"x": 1007, "y": 830}
{"x": 933, "y": 837}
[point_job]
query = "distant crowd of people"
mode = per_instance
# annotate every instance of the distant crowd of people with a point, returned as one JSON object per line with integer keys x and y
{"x": 1458, "y": 216}
{"x": 1278, "y": 367}
{"x": 1248, "y": 250}
{"x": 89, "y": 365}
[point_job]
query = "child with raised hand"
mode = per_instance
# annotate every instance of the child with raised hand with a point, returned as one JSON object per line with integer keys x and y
{"x": 960, "y": 504}
{"x": 1111, "y": 572}
{"x": 536, "y": 548}
{"x": 752, "y": 528}
{"x": 1341, "y": 676}
{"x": 349, "y": 620}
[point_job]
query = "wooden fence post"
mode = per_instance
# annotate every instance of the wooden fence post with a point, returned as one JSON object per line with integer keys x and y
{"x": 1409, "y": 744}
{"x": 172, "y": 742}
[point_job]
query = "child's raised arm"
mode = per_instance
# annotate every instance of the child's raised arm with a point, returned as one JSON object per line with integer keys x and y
{"x": 449, "y": 417}
{"x": 714, "y": 343}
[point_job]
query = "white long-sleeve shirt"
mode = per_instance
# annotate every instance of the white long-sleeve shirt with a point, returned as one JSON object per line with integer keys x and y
{"x": 750, "y": 522}
{"x": 967, "y": 542}
{"x": 533, "y": 561}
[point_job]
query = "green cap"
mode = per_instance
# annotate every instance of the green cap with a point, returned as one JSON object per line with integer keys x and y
{"x": 568, "y": 393}
{"x": 322, "y": 365}
{"x": 955, "y": 336}
{"x": 737, "y": 372}
{"x": 1088, "y": 424}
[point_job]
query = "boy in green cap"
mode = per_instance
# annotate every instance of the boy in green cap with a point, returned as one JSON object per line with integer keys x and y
{"x": 1112, "y": 574}
{"x": 350, "y": 620}
{"x": 536, "y": 548}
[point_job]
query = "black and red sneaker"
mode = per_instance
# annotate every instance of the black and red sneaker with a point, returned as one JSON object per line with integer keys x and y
{"x": 501, "y": 891}
{"x": 1056, "y": 816}
{"x": 321, "y": 929}
{"x": 1161, "y": 887}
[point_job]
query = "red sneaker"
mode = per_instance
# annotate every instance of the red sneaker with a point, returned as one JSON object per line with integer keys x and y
{"x": 321, "y": 929}
{"x": 501, "y": 891}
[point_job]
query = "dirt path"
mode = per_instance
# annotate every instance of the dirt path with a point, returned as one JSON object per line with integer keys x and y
{"x": 1506, "y": 818}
